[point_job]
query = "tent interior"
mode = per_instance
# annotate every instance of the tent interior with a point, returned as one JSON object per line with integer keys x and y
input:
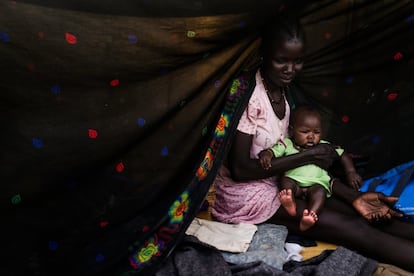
{"x": 110, "y": 114}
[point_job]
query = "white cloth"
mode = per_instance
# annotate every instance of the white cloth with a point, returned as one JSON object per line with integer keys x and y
{"x": 226, "y": 237}
{"x": 293, "y": 250}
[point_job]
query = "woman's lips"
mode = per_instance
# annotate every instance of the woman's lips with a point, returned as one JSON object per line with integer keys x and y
{"x": 286, "y": 79}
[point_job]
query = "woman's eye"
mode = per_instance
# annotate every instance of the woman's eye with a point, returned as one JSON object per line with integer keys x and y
{"x": 286, "y": 61}
{"x": 278, "y": 60}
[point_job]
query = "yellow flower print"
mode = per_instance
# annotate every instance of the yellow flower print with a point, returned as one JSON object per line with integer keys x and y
{"x": 205, "y": 166}
{"x": 179, "y": 208}
{"x": 147, "y": 252}
{"x": 151, "y": 248}
{"x": 234, "y": 86}
{"x": 222, "y": 124}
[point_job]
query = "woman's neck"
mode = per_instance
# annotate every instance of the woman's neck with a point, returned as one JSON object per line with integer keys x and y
{"x": 268, "y": 83}
{"x": 275, "y": 95}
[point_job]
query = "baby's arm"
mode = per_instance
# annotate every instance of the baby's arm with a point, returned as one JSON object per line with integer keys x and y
{"x": 266, "y": 155}
{"x": 354, "y": 179}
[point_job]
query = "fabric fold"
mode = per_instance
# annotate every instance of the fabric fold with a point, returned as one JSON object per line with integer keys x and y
{"x": 226, "y": 237}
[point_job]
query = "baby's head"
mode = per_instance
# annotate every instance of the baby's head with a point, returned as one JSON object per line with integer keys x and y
{"x": 305, "y": 127}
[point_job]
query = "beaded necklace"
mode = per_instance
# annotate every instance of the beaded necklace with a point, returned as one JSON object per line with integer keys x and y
{"x": 278, "y": 108}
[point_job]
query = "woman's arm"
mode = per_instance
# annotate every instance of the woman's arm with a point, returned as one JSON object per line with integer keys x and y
{"x": 244, "y": 168}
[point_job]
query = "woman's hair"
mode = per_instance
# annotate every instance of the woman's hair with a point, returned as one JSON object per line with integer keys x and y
{"x": 280, "y": 28}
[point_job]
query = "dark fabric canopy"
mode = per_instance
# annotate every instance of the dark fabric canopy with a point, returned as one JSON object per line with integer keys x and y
{"x": 117, "y": 114}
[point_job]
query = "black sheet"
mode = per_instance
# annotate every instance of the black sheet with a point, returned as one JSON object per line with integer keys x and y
{"x": 116, "y": 115}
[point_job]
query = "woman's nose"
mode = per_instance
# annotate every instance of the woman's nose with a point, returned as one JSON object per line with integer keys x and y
{"x": 289, "y": 67}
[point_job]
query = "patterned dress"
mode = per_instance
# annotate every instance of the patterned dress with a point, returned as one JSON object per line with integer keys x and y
{"x": 253, "y": 201}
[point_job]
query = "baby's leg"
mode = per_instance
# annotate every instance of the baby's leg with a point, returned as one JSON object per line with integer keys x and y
{"x": 316, "y": 200}
{"x": 287, "y": 193}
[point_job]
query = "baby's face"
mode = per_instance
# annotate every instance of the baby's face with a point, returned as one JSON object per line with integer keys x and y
{"x": 307, "y": 132}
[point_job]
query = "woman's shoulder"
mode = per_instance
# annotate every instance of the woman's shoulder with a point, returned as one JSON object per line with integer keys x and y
{"x": 258, "y": 90}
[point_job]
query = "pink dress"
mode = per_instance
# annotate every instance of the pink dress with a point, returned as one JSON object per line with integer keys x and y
{"x": 253, "y": 201}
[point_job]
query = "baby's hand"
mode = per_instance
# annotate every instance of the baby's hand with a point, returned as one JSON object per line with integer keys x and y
{"x": 354, "y": 179}
{"x": 265, "y": 158}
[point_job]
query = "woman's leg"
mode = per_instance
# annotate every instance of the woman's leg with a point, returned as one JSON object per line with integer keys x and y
{"x": 395, "y": 226}
{"x": 352, "y": 231}
{"x": 398, "y": 228}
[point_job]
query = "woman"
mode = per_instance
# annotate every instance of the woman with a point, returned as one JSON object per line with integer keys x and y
{"x": 245, "y": 192}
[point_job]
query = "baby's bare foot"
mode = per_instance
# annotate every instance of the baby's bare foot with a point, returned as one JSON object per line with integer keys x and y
{"x": 308, "y": 220}
{"x": 287, "y": 201}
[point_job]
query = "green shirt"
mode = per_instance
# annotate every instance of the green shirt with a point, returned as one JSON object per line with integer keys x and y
{"x": 306, "y": 175}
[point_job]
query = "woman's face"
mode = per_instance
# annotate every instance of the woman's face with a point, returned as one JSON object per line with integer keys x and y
{"x": 284, "y": 61}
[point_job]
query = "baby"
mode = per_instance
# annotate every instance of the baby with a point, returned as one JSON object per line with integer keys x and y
{"x": 308, "y": 181}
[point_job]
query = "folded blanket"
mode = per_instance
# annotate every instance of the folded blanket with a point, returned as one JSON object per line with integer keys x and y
{"x": 226, "y": 237}
{"x": 192, "y": 257}
{"x": 268, "y": 246}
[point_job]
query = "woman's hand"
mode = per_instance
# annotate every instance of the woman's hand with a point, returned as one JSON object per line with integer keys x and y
{"x": 375, "y": 207}
{"x": 324, "y": 155}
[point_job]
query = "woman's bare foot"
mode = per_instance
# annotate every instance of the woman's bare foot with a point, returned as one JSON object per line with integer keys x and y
{"x": 287, "y": 201}
{"x": 308, "y": 220}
